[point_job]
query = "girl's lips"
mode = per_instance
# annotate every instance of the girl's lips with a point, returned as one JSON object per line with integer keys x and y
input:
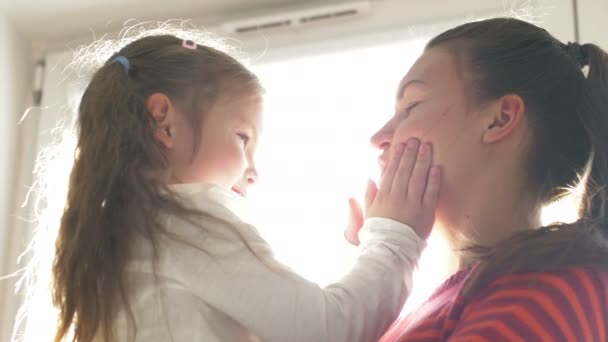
{"x": 238, "y": 192}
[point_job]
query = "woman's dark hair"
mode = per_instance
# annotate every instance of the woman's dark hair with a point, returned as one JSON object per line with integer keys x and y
{"x": 565, "y": 90}
{"x": 117, "y": 187}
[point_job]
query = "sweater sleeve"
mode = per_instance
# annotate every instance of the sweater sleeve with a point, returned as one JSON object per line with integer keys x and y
{"x": 281, "y": 306}
{"x": 568, "y": 305}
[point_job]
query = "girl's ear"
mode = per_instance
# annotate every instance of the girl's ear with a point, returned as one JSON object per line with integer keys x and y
{"x": 163, "y": 115}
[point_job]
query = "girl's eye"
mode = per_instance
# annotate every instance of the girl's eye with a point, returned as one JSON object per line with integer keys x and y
{"x": 244, "y": 138}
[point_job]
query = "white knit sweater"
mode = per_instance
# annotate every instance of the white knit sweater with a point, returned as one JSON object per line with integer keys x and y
{"x": 211, "y": 287}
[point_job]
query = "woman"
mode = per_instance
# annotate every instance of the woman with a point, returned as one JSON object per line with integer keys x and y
{"x": 514, "y": 118}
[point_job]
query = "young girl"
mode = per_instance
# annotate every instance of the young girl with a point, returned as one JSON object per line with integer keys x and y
{"x": 152, "y": 245}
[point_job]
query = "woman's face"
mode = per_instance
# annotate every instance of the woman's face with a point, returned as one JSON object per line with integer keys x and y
{"x": 432, "y": 105}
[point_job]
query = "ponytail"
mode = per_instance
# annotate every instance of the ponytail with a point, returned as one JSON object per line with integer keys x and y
{"x": 106, "y": 182}
{"x": 594, "y": 116}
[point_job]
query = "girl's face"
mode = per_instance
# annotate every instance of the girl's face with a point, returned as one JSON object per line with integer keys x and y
{"x": 432, "y": 105}
{"x": 230, "y": 132}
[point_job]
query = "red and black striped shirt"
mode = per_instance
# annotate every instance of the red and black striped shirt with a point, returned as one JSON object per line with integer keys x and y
{"x": 567, "y": 305}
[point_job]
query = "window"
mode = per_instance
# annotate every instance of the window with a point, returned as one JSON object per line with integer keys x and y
{"x": 320, "y": 113}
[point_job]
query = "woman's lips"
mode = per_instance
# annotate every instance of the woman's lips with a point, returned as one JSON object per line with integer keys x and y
{"x": 382, "y": 162}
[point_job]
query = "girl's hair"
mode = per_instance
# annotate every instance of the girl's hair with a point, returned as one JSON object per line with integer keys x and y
{"x": 565, "y": 89}
{"x": 117, "y": 187}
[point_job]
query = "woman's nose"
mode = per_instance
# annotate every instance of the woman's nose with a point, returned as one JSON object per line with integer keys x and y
{"x": 382, "y": 138}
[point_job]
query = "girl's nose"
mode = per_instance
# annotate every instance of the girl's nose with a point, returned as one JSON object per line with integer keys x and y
{"x": 251, "y": 175}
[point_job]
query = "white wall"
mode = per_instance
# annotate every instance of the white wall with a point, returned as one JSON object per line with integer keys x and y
{"x": 388, "y": 20}
{"x": 15, "y": 69}
{"x": 592, "y": 15}
{"x": 394, "y": 20}
{"x": 557, "y": 17}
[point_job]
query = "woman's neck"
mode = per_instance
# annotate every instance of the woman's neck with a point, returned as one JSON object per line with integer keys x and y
{"x": 489, "y": 219}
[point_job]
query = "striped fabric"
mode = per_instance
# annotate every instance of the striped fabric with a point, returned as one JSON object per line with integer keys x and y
{"x": 568, "y": 305}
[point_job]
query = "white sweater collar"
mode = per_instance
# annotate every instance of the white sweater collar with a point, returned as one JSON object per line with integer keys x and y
{"x": 203, "y": 193}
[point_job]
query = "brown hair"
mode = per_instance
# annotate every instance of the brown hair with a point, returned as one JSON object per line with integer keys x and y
{"x": 568, "y": 114}
{"x": 117, "y": 187}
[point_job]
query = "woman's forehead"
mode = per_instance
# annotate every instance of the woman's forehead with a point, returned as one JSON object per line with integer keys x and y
{"x": 434, "y": 68}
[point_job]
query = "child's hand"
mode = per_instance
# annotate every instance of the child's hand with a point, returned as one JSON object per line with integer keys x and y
{"x": 409, "y": 188}
{"x": 356, "y": 213}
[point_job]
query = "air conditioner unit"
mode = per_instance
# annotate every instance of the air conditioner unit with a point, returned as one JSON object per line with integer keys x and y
{"x": 297, "y": 17}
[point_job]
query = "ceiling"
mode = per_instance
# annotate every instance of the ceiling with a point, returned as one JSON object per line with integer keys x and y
{"x": 50, "y": 23}
{"x": 58, "y": 19}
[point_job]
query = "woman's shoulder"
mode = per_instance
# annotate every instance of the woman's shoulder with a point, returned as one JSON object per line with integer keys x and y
{"x": 564, "y": 282}
{"x": 564, "y": 289}
{"x": 568, "y": 303}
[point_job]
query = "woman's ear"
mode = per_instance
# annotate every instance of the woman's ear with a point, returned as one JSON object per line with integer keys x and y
{"x": 163, "y": 115}
{"x": 507, "y": 115}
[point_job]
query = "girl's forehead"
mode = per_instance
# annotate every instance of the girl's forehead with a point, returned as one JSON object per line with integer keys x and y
{"x": 237, "y": 108}
{"x": 246, "y": 109}
{"x": 241, "y": 98}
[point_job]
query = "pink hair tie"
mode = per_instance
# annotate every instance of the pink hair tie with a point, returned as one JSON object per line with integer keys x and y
{"x": 188, "y": 44}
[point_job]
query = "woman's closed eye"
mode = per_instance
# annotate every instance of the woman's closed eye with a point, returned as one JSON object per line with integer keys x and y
{"x": 408, "y": 109}
{"x": 413, "y": 105}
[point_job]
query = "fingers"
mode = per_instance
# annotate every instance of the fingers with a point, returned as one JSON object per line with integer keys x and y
{"x": 357, "y": 217}
{"x": 431, "y": 194}
{"x": 420, "y": 175}
{"x": 386, "y": 182}
{"x": 406, "y": 166}
{"x": 370, "y": 193}
{"x": 351, "y": 234}
{"x": 409, "y": 189}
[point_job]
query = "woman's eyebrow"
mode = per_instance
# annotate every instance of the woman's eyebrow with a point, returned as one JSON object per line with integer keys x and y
{"x": 407, "y": 84}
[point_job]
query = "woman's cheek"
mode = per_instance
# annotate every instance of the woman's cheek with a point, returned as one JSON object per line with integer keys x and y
{"x": 411, "y": 127}
{"x": 427, "y": 128}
